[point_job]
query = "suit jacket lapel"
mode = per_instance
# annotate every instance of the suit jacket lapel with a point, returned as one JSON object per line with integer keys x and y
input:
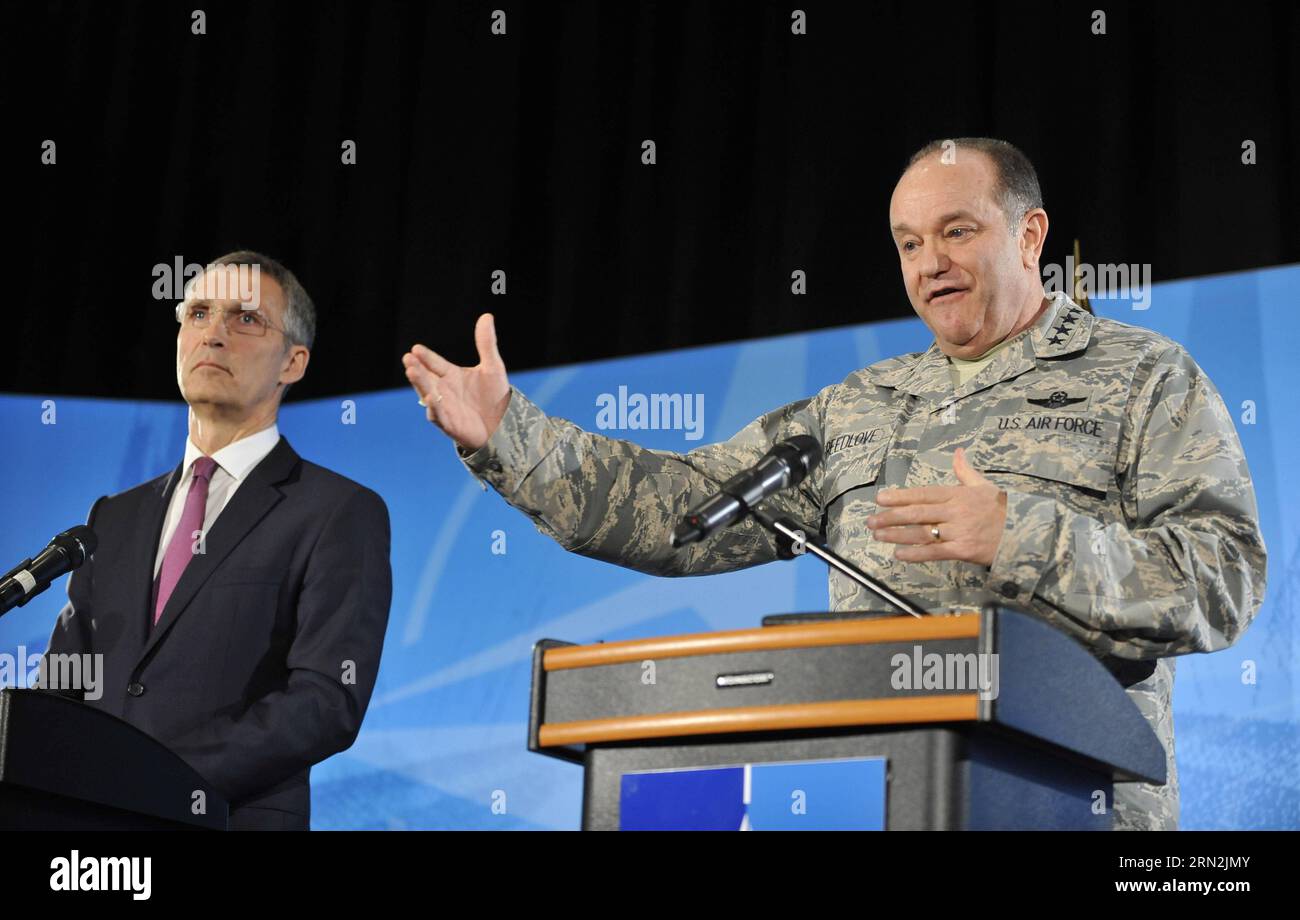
{"x": 254, "y": 498}
{"x": 143, "y": 553}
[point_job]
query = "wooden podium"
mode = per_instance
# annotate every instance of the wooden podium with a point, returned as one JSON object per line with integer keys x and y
{"x": 1038, "y": 747}
{"x": 66, "y": 766}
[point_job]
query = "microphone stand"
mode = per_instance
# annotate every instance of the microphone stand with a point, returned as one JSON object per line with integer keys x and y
{"x": 789, "y": 534}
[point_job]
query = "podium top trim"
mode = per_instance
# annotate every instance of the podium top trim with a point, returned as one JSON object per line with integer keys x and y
{"x": 853, "y": 632}
{"x": 786, "y": 717}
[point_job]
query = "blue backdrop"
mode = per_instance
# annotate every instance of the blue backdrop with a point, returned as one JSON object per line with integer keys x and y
{"x": 443, "y": 743}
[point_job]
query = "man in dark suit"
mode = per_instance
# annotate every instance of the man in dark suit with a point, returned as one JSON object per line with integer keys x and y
{"x": 240, "y": 601}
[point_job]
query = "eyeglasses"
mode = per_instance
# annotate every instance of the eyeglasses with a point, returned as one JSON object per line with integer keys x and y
{"x": 239, "y": 320}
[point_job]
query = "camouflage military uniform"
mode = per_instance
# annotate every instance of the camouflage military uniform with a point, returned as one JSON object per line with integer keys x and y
{"x": 1131, "y": 521}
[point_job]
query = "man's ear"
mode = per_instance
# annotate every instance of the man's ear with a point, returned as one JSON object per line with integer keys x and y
{"x": 1032, "y": 237}
{"x": 295, "y": 364}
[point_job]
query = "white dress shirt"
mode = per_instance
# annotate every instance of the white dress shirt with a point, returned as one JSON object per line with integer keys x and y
{"x": 234, "y": 463}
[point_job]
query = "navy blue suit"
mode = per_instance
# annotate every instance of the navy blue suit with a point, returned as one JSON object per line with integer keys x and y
{"x": 265, "y": 656}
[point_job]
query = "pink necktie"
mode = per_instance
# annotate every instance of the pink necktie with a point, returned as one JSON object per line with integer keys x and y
{"x": 180, "y": 549}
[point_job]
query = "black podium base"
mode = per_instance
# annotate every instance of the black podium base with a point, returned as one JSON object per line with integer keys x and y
{"x": 937, "y": 778}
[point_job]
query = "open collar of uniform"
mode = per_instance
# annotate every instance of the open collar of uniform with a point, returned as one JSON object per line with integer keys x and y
{"x": 1064, "y": 328}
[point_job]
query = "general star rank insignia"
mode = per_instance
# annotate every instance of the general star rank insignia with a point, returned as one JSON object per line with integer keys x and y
{"x": 1059, "y": 399}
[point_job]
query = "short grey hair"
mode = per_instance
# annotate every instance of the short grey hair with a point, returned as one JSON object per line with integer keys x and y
{"x": 1016, "y": 184}
{"x": 299, "y": 311}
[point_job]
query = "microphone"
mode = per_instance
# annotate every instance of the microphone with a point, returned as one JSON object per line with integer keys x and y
{"x": 30, "y": 577}
{"x": 784, "y": 466}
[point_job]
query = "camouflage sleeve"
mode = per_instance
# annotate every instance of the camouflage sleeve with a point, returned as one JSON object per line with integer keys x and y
{"x": 616, "y": 501}
{"x": 1183, "y": 570}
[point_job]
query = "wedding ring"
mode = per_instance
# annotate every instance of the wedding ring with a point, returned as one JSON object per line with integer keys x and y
{"x": 934, "y": 532}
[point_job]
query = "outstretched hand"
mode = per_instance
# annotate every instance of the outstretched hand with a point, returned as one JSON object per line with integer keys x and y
{"x": 467, "y": 403}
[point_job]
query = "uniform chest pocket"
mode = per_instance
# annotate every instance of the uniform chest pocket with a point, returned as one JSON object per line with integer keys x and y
{"x": 848, "y": 488}
{"x": 1044, "y": 460}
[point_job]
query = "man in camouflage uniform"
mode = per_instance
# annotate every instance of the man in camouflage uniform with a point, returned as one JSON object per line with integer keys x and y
{"x": 1035, "y": 455}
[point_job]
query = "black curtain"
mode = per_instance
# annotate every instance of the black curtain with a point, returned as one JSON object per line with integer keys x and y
{"x": 522, "y": 152}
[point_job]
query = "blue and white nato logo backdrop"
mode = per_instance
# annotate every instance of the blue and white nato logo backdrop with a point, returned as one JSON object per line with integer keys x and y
{"x": 825, "y": 795}
{"x": 475, "y": 585}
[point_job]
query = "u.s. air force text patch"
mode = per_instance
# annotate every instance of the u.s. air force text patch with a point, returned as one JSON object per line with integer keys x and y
{"x": 1049, "y": 424}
